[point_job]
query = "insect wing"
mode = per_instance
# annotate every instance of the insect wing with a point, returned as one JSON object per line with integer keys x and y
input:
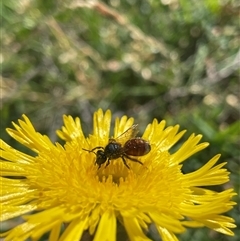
{"x": 128, "y": 134}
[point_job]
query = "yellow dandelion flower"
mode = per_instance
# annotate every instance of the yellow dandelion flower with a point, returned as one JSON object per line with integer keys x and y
{"x": 61, "y": 191}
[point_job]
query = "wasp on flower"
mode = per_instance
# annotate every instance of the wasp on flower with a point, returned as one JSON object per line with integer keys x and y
{"x": 124, "y": 145}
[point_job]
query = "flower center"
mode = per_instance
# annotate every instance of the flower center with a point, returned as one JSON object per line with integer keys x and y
{"x": 118, "y": 170}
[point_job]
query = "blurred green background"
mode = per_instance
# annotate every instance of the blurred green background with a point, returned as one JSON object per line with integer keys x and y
{"x": 176, "y": 60}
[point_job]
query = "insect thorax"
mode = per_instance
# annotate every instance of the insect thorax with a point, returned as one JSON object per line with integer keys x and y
{"x": 113, "y": 150}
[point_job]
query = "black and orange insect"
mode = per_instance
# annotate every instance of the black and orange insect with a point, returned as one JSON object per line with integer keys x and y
{"x": 124, "y": 146}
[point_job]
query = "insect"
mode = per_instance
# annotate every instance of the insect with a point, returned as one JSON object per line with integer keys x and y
{"x": 124, "y": 146}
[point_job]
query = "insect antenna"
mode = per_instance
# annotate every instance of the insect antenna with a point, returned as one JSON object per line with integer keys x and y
{"x": 98, "y": 147}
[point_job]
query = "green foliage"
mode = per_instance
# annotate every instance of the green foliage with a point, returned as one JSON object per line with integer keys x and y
{"x": 173, "y": 60}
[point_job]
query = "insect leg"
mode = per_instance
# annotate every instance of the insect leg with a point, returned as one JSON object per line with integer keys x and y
{"x": 99, "y": 165}
{"x": 108, "y": 162}
{"x": 124, "y": 161}
{"x": 132, "y": 159}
